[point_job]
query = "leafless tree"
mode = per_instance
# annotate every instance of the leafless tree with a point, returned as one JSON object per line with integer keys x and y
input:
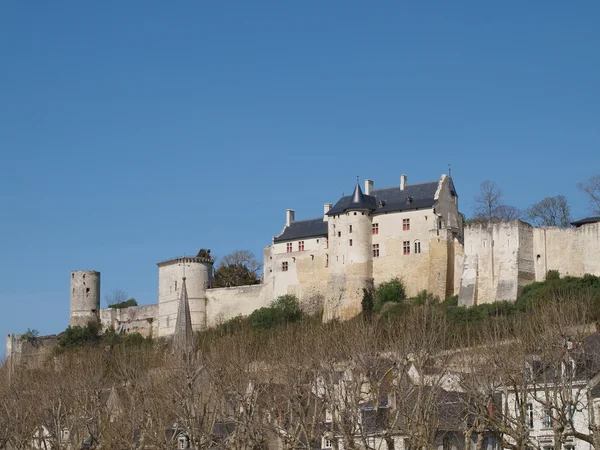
{"x": 237, "y": 269}
{"x": 489, "y": 204}
{"x": 550, "y": 212}
{"x": 592, "y": 190}
{"x": 116, "y": 296}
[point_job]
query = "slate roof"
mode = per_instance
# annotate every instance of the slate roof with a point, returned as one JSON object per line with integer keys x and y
{"x": 393, "y": 199}
{"x": 585, "y": 221}
{"x": 381, "y": 201}
{"x": 183, "y": 338}
{"x": 303, "y": 229}
{"x": 359, "y": 200}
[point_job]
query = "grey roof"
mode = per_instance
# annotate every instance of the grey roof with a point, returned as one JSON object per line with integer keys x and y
{"x": 359, "y": 200}
{"x": 183, "y": 337}
{"x": 303, "y": 229}
{"x": 420, "y": 195}
{"x": 585, "y": 221}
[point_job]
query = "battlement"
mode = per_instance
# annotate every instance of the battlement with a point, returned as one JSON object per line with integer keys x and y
{"x": 186, "y": 260}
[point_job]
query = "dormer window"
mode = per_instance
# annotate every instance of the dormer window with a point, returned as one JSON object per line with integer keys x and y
{"x": 381, "y": 203}
{"x": 409, "y": 200}
{"x": 288, "y": 247}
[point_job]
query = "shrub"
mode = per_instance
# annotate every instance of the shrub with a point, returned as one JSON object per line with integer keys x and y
{"x": 78, "y": 336}
{"x": 288, "y": 307}
{"x": 30, "y": 334}
{"x": 426, "y": 298}
{"x": 391, "y": 291}
{"x": 285, "y": 309}
{"x": 125, "y": 304}
{"x": 552, "y": 275}
{"x": 368, "y": 300}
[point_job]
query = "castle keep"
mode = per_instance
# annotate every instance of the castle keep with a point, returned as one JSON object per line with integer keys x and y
{"x": 410, "y": 231}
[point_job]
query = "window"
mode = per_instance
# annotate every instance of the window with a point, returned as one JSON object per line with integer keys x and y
{"x": 405, "y": 224}
{"x": 375, "y": 228}
{"x": 375, "y": 250}
{"x": 176, "y": 285}
{"x": 350, "y": 230}
{"x": 326, "y": 242}
{"x": 326, "y": 260}
{"x": 548, "y": 418}
{"x": 284, "y": 266}
{"x": 350, "y": 242}
{"x": 406, "y": 247}
{"x": 529, "y": 416}
{"x": 301, "y": 246}
{"x": 327, "y": 443}
{"x": 288, "y": 247}
{"x": 339, "y": 234}
{"x": 417, "y": 247}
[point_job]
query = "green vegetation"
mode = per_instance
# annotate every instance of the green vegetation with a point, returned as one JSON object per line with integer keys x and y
{"x": 30, "y": 334}
{"x": 125, "y": 304}
{"x": 392, "y": 291}
{"x": 90, "y": 334}
{"x": 285, "y": 309}
{"x": 79, "y": 336}
{"x": 368, "y": 300}
{"x": 585, "y": 289}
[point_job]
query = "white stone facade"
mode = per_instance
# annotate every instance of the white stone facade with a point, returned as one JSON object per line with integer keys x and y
{"x": 328, "y": 260}
{"x": 502, "y": 258}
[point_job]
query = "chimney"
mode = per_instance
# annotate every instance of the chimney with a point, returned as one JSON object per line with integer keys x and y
{"x": 326, "y": 208}
{"x": 368, "y": 187}
{"x": 402, "y": 182}
{"x": 289, "y": 217}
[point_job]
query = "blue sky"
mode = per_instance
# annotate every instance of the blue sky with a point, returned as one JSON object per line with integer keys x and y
{"x": 133, "y": 132}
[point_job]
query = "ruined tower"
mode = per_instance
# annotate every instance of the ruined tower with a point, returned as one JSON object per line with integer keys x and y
{"x": 85, "y": 297}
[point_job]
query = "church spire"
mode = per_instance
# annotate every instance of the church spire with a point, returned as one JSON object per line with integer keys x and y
{"x": 183, "y": 338}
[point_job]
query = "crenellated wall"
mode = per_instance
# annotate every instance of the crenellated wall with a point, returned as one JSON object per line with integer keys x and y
{"x": 571, "y": 251}
{"x": 500, "y": 259}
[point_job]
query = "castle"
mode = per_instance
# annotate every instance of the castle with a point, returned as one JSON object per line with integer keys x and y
{"x": 410, "y": 231}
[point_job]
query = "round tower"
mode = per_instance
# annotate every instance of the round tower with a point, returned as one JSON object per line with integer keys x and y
{"x": 198, "y": 274}
{"x": 85, "y": 297}
{"x": 350, "y": 255}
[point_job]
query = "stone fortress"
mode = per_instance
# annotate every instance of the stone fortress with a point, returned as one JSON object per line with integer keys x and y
{"x": 410, "y": 231}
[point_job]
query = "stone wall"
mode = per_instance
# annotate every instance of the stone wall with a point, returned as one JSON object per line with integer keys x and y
{"x": 32, "y": 353}
{"x": 135, "y": 319}
{"x": 500, "y": 259}
{"x": 223, "y": 304}
{"x": 571, "y": 251}
{"x": 413, "y": 268}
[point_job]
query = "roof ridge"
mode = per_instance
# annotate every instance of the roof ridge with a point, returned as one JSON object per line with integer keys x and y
{"x": 408, "y": 185}
{"x": 307, "y": 220}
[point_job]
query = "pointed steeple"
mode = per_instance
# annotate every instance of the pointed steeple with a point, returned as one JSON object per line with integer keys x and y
{"x": 358, "y": 199}
{"x": 183, "y": 338}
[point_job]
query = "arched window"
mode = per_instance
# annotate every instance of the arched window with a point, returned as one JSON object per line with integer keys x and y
{"x": 417, "y": 246}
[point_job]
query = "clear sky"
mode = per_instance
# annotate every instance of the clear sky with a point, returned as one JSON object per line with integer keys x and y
{"x": 133, "y": 132}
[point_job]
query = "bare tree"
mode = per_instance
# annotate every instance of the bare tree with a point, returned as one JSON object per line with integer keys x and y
{"x": 116, "y": 296}
{"x": 237, "y": 269}
{"x": 489, "y": 204}
{"x": 550, "y": 212}
{"x": 592, "y": 190}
